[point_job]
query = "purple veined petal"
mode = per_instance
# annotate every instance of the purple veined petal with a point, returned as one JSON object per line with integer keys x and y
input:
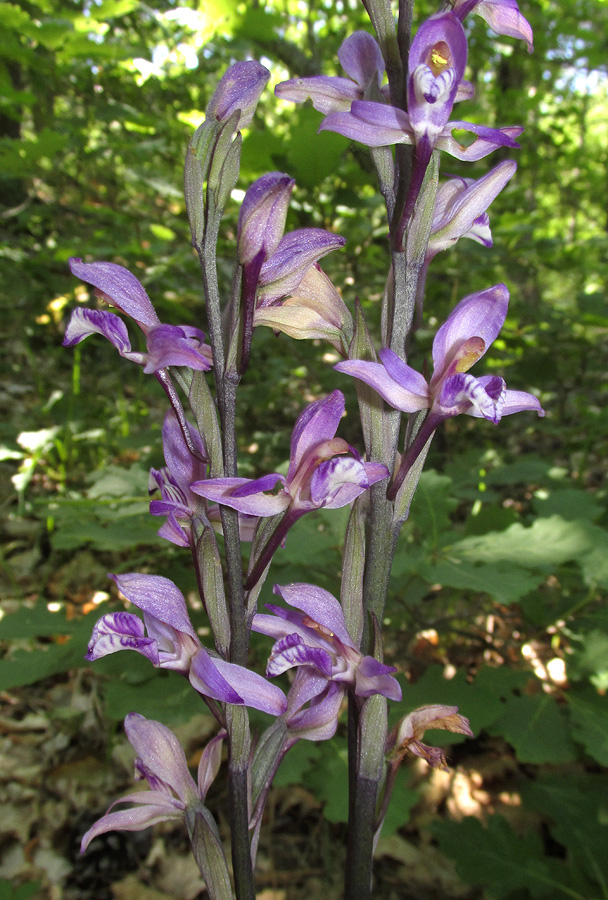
{"x": 307, "y": 686}
{"x": 373, "y": 677}
{"x": 465, "y": 91}
{"x": 240, "y": 88}
{"x": 376, "y": 376}
{"x": 230, "y": 683}
{"x": 84, "y": 322}
{"x": 168, "y": 345}
{"x": 250, "y": 498}
{"x": 339, "y": 481}
{"x": 403, "y": 374}
{"x": 317, "y": 423}
{"x": 123, "y": 289}
{"x": 463, "y": 393}
{"x": 361, "y": 58}
{"x": 262, "y": 215}
{"x": 296, "y": 252}
{"x": 504, "y": 17}
{"x": 479, "y": 315}
{"x": 160, "y": 756}
{"x": 209, "y": 764}
{"x": 205, "y": 677}
{"x": 319, "y": 721}
{"x": 291, "y": 651}
{"x": 371, "y": 123}
{"x": 172, "y": 531}
{"x": 514, "y": 401}
{"x": 487, "y": 140}
{"x": 320, "y": 606}
{"x": 158, "y": 597}
{"x": 121, "y": 631}
{"x": 182, "y": 465}
{"x": 467, "y": 201}
{"x": 134, "y": 819}
{"x": 329, "y": 93}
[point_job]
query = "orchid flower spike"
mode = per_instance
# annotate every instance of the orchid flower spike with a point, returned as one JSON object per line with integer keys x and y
{"x": 324, "y": 471}
{"x": 313, "y": 633}
{"x": 464, "y": 338}
{"x": 172, "y": 643}
{"x": 161, "y": 761}
{"x": 167, "y": 345}
{"x": 362, "y": 60}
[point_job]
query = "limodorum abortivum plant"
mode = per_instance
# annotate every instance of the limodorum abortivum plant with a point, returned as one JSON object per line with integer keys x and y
{"x": 396, "y": 97}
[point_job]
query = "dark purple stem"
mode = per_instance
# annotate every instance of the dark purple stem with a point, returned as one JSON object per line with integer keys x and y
{"x": 164, "y": 379}
{"x": 272, "y": 544}
{"x": 413, "y": 452}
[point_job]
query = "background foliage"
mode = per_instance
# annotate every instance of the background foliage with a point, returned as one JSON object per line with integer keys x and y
{"x": 497, "y": 592}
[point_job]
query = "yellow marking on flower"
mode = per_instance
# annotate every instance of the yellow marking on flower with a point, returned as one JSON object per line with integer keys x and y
{"x": 320, "y": 629}
{"x": 439, "y": 58}
{"x": 469, "y": 353}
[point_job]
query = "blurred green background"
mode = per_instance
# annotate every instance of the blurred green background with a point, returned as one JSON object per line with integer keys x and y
{"x": 497, "y": 597}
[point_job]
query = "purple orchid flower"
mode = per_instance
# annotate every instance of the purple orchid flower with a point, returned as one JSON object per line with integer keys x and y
{"x": 273, "y": 264}
{"x": 503, "y": 17}
{"x": 320, "y": 474}
{"x": 460, "y": 208}
{"x": 315, "y": 311}
{"x": 437, "y": 61}
{"x": 362, "y": 60}
{"x": 177, "y": 502}
{"x": 161, "y": 761}
{"x": 461, "y": 211}
{"x": 314, "y": 634}
{"x": 172, "y": 643}
{"x": 464, "y": 338}
{"x": 167, "y": 345}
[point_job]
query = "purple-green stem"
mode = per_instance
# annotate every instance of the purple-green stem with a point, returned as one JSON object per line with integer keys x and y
{"x": 237, "y": 723}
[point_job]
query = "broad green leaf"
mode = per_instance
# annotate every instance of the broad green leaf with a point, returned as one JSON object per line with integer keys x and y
{"x": 536, "y": 728}
{"x": 26, "y": 667}
{"x": 496, "y": 858}
{"x": 577, "y": 807}
{"x": 569, "y": 504}
{"x": 505, "y": 583}
{"x": 589, "y": 717}
{"x": 591, "y": 659}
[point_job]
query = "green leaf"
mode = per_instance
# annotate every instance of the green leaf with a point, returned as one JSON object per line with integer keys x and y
{"x": 569, "y": 504}
{"x": 164, "y": 695}
{"x": 591, "y": 660}
{"x": 537, "y": 729}
{"x": 589, "y": 717}
{"x": 329, "y": 779}
{"x": 26, "y": 667}
{"x": 432, "y": 504}
{"x": 545, "y": 544}
{"x": 506, "y": 583}
{"x": 496, "y": 858}
{"x": 311, "y": 156}
{"x": 578, "y": 810}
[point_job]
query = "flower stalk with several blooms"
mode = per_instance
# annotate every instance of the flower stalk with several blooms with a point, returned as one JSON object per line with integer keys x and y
{"x": 327, "y": 654}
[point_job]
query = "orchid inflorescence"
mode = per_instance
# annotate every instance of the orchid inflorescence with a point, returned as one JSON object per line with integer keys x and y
{"x": 327, "y": 652}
